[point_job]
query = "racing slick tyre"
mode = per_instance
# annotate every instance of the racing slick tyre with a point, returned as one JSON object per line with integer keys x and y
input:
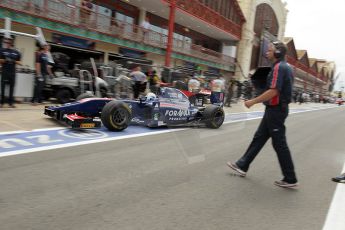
{"x": 213, "y": 116}
{"x": 116, "y": 115}
{"x": 85, "y": 95}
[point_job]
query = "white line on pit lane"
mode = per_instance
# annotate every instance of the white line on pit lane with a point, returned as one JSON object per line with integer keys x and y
{"x": 255, "y": 118}
{"x": 11, "y": 153}
{"x": 33, "y": 130}
{"x": 335, "y": 218}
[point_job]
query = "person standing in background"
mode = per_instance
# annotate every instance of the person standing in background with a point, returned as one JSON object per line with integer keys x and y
{"x": 217, "y": 90}
{"x": 42, "y": 71}
{"x": 229, "y": 94}
{"x": 140, "y": 81}
{"x": 154, "y": 81}
{"x": 9, "y": 58}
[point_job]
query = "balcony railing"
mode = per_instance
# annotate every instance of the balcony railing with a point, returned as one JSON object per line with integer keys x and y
{"x": 67, "y": 12}
{"x": 208, "y": 15}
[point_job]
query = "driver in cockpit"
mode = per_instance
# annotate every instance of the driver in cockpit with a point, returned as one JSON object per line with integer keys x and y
{"x": 151, "y": 97}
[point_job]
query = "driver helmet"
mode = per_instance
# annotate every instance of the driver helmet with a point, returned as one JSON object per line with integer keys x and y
{"x": 151, "y": 97}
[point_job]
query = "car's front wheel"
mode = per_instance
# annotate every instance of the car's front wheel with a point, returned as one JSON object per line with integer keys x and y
{"x": 116, "y": 115}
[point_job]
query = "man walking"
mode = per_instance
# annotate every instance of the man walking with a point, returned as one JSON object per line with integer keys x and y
{"x": 9, "y": 58}
{"x": 276, "y": 99}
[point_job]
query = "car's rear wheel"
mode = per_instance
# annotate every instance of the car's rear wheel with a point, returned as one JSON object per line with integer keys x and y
{"x": 116, "y": 116}
{"x": 213, "y": 116}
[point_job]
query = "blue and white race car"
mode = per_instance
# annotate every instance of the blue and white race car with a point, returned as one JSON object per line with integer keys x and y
{"x": 170, "y": 108}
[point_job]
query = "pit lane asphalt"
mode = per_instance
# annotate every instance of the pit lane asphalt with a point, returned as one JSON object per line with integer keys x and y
{"x": 177, "y": 180}
{"x": 27, "y": 117}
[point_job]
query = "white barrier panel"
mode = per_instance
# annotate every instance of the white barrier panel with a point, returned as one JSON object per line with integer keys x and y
{"x": 24, "y": 86}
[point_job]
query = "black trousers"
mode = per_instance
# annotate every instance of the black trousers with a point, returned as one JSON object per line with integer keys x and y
{"x": 10, "y": 79}
{"x": 138, "y": 87}
{"x": 272, "y": 125}
{"x": 38, "y": 88}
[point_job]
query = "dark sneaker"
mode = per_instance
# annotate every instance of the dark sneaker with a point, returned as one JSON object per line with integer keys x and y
{"x": 339, "y": 179}
{"x": 236, "y": 169}
{"x": 285, "y": 184}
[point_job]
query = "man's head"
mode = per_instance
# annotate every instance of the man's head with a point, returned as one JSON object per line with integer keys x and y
{"x": 276, "y": 51}
{"x": 137, "y": 68}
{"x": 47, "y": 47}
{"x": 8, "y": 42}
{"x": 44, "y": 47}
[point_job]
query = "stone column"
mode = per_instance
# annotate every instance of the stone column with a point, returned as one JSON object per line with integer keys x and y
{"x": 106, "y": 58}
{"x": 245, "y": 45}
{"x": 142, "y": 16}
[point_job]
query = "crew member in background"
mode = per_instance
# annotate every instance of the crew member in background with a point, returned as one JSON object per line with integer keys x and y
{"x": 229, "y": 94}
{"x": 51, "y": 62}
{"x": 217, "y": 90}
{"x": 42, "y": 71}
{"x": 181, "y": 84}
{"x": 194, "y": 87}
{"x": 139, "y": 81}
{"x": 154, "y": 81}
{"x": 9, "y": 58}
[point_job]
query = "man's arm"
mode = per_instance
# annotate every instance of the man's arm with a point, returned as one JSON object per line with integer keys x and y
{"x": 38, "y": 69}
{"x": 49, "y": 69}
{"x": 19, "y": 59}
{"x": 37, "y": 64}
{"x": 2, "y": 57}
{"x": 267, "y": 95}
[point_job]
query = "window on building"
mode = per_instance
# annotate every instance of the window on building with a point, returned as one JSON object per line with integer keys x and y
{"x": 180, "y": 41}
{"x": 128, "y": 21}
{"x": 156, "y": 36}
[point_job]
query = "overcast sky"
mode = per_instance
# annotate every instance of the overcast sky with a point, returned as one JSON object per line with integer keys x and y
{"x": 318, "y": 27}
